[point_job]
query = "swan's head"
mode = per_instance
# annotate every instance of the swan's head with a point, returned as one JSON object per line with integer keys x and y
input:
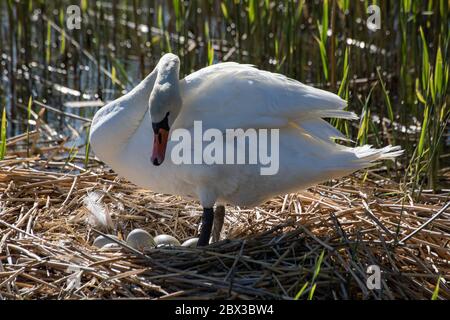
{"x": 165, "y": 104}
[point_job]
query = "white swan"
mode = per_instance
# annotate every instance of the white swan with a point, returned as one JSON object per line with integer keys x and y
{"x": 133, "y": 134}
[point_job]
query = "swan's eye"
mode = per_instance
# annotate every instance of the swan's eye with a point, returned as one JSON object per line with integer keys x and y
{"x": 163, "y": 124}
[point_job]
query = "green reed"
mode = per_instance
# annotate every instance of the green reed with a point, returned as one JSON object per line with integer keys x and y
{"x": 322, "y": 40}
{"x": 4, "y": 125}
{"x": 312, "y": 285}
{"x": 431, "y": 91}
{"x": 435, "y": 295}
{"x": 30, "y": 104}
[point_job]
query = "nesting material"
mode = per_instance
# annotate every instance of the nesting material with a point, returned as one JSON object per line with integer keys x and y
{"x": 271, "y": 251}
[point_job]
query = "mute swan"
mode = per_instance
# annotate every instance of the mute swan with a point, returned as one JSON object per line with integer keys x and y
{"x": 133, "y": 134}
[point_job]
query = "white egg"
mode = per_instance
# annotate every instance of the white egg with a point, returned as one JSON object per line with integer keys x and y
{"x": 140, "y": 240}
{"x": 101, "y": 241}
{"x": 190, "y": 243}
{"x": 166, "y": 240}
{"x": 110, "y": 246}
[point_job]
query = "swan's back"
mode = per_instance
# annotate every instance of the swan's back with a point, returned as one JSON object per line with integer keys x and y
{"x": 239, "y": 89}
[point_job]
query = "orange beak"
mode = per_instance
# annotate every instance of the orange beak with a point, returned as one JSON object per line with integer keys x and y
{"x": 159, "y": 146}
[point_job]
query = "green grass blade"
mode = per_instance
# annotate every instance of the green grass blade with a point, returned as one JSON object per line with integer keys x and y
{"x": 223, "y": 6}
{"x": 323, "y": 57}
{"x": 30, "y": 103}
{"x": 318, "y": 265}
{"x": 48, "y": 43}
{"x": 425, "y": 60}
{"x": 432, "y": 88}
{"x": 438, "y": 76}
{"x": 160, "y": 17}
{"x": 419, "y": 93}
{"x": 84, "y": 5}
{"x": 3, "y": 135}
{"x": 210, "y": 53}
{"x": 299, "y": 11}
{"x": 345, "y": 75}
{"x": 72, "y": 154}
{"x": 302, "y": 290}
{"x": 176, "y": 8}
{"x": 435, "y": 295}
{"x": 62, "y": 46}
{"x": 423, "y": 132}
{"x": 311, "y": 293}
{"x": 252, "y": 11}
{"x": 364, "y": 124}
{"x": 386, "y": 96}
{"x": 88, "y": 145}
{"x": 113, "y": 74}
{"x": 324, "y": 28}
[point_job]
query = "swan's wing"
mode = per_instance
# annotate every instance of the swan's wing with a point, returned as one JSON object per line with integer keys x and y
{"x": 232, "y": 95}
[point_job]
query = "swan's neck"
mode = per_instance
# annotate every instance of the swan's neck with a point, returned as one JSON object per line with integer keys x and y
{"x": 165, "y": 97}
{"x": 114, "y": 124}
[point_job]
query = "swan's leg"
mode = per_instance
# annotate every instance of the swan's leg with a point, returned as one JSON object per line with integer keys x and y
{"x": 207, "y": 223}
{"x": 219, "y": 216}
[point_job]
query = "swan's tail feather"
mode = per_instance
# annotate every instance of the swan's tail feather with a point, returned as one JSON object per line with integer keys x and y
{"x": 340, "y": 114}
{"x": 367, "y": 155}
{"x": 315, "y": 126}
{"x": 321, "y": 129}
{"x": 348, "y": 160}
{"x": 353, "y": 159}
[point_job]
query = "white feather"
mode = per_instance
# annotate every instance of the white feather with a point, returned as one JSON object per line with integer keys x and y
{"x": 100, "y": 216}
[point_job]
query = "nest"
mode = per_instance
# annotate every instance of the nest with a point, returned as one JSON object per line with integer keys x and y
{"x": 324, "y": 243}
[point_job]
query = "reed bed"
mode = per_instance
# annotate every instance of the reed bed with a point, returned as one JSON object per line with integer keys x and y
{"x": 315, "y": 244}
